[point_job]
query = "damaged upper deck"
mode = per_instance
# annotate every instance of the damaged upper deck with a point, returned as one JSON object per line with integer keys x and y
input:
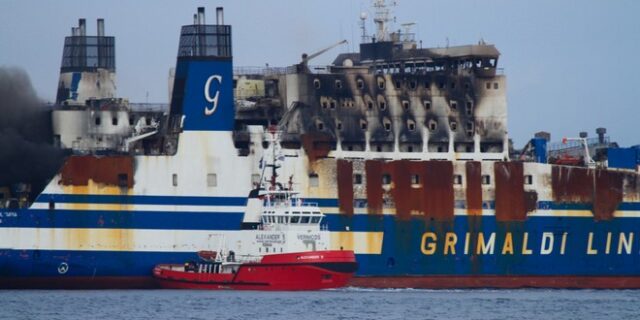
{"x": 390, "y": 98}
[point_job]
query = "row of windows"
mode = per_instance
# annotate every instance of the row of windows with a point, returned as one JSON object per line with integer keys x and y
{"x": 382, "y": 105}
{"x": 292, "y": 220}
{"x": 411, "y": 125}
{"x": 412, "y": 84}
{"x": 114, "y": 121}
{"x": 415, "y": 179}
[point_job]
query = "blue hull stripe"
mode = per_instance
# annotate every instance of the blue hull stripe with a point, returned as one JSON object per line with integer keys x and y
{"x": 242, "y": 201}
{"x": 126, "y": 199}
{"x": 126, "y": 220}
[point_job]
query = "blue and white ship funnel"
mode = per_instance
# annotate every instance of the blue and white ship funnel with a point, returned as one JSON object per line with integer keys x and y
{"x": 88, "y": 69}
{"x": 202, "y": 98}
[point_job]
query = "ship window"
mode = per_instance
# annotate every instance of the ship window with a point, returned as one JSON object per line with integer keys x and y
{"x": 316, "y": 83}
{"x": 405, "y": 104}
{"x": 469, "y": 125}
{"x": 339, "y": 125}
{"x": 383, "y": 105}
{"x": 360, "y": 83}
{"x": 123, "y": 180}
{"x": 131, "y": 120}
{"x": 98, "y": 121}
{"x": 314, "y": 180}
{"x": 315, "y": 219}
{"x": 441, "y": 85}
{"x": 357, "y": 178}
{"x": 433, "y": 125}
{"x": 339, "y": 84}
{"x": 306, "y": 212}
{"x": 52, "y": 205}
{"x": 174, "y": 179}
{"x": 324, "y": 105}
{"x": 457, "y": 179}
{"x": 413, "y": 84}
{"x": 333, "y": 104}
{"x": 370, "y": 105}
{"x": 495, "y": 85}
{"x": 411, "y": 125}
{"x": 305, "y": 220}
{"x": 387, "y": 125}
{"x": 212, "y": 180}
{"x": 114, "y": 121}
{"x": 386, "y": 179}
{"x": 528, "y": 179}
{"x": 488, "y": 84}
{"x": 295, "y": 212}
{"x": 453, "y": 125}
{"x": 469, "y": 108}
{"x": 415, "y": 179}
{"x": 427, "y": 104}
{"x": 454, "y": 105}
{"x": 320, "y": 125}
{"x": 295, "y": 219}
{"x": 398, "y": 84}
{"x": 381, "y": 83}
{"x": 363, "y": 124}
{"x": 486, "y": 179}
{"x": 410, "y": 149}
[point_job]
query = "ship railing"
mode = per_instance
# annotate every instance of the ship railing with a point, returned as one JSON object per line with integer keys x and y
{"x": 148, "y": 107}
{"x": 573, "y": 144}
{"x": 276, "y": 71}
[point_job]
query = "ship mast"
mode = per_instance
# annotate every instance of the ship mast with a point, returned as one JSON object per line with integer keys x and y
{"x": 383, "y": 16}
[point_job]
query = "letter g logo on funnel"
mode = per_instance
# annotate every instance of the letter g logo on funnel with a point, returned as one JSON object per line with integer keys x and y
{"x": 207, "y": 95}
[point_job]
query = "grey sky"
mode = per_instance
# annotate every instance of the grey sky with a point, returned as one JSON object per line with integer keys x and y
{"x": 571, "y": 65}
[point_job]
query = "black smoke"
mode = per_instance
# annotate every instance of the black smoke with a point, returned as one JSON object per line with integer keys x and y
{"x": 27, "y": 154}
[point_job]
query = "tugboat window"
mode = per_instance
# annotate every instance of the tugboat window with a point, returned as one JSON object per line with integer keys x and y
{"x": 98, "y": 121}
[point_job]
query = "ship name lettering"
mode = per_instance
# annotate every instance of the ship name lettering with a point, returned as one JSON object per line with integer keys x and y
{"x": 525, "y": 243}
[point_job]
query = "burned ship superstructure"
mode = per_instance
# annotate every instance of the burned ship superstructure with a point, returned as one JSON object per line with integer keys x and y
{"x": 404, "y": 148}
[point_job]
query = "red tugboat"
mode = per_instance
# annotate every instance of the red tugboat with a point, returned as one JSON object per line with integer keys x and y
{"x": 282, "y": 246}
{"x": 313, "y": 270}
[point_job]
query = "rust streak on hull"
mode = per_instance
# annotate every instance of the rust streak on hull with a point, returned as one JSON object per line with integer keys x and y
{"x": 474, "y": 187}
{"x": 438, "y": 190}
{"x": 510, "y": 196}
{"x": 345, "y": 186}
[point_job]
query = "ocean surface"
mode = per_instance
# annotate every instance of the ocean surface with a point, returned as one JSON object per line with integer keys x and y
{"x": 350, "y": 303}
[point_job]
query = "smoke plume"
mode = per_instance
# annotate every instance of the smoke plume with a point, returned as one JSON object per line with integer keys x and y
{"x": 26, "y": 151}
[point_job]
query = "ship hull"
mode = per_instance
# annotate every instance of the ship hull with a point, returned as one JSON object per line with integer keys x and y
{"x": 559, "y": 251}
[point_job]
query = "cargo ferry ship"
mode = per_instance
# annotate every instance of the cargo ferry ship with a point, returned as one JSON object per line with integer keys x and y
{"x": 405, "y": 149}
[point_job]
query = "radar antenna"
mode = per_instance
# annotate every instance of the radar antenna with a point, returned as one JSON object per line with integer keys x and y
{"x": 363, "y": 26}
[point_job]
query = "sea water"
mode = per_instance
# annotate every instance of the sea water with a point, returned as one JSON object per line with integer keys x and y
{"x": 349, "y": 303}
